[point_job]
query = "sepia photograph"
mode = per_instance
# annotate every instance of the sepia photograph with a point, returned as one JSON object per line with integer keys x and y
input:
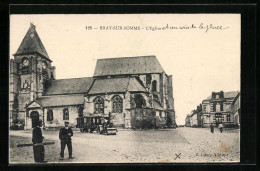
{"x": 124, "y": 88}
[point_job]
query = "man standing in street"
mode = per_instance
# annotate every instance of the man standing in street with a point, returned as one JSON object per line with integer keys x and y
{"x": 220, "y": 126}
{"x": 212, "y": 128}
{"x": 37, "y": 139}
{"x": 65, "y": 136}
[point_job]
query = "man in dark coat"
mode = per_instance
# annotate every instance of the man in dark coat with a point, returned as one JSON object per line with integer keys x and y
{"x": 211, "y": 128}
{"x": 65, "y": 136}
{"x": 37, "y": 139}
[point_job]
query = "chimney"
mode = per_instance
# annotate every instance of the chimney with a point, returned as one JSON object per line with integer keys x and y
{"x": 53, "y": 72}
{"x": 221, "y": 94}
{"x": 213, "y": 95}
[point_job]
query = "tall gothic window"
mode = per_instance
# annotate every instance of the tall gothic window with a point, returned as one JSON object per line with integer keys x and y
{"x": 65, "y": 114}
{"x": 117, "y": 104}
{"x": 80, "y": 111}
{"x": 154, "y": 86}
{"x": 49, "y": 115}
{"x": 139, "y": 101}
{"x": 99, "y": 105}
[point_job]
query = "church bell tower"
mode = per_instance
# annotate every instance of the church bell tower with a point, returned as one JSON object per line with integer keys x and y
{"x": 30, "y": 71}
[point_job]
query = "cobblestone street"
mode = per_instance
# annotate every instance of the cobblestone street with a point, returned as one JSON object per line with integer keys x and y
{"x": 172, "y": 145}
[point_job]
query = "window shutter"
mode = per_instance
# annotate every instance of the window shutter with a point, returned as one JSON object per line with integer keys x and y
{"x": 214, "y": 107}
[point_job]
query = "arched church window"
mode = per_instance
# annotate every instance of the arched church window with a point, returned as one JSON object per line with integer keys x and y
{"x": 65, "y": 114}
{"x": 99, "y": 105}
{"x": 139, "y": 101}
{"x": 117, "y": 104}
{"x": 154, "y": 86}
{"x": 49, "y": 115}
{"x": 80, "y": 112}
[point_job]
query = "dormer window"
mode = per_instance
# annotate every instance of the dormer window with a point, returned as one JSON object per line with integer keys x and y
{"x": 148, "y": 79}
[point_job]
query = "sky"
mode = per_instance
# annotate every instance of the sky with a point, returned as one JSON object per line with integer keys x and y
{"x": 200, "y": 60}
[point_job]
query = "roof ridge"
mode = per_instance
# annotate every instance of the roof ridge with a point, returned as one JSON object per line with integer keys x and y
{"x": 70, "y": 78}
{"x": 127, "y": 57}
{"x": 61, "y": 95}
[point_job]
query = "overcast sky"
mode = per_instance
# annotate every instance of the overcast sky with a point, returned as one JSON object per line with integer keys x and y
{"x": 200, "y": 61}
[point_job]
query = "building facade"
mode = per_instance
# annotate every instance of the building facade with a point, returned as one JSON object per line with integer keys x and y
{"x": 132, "y": 92}
{"x": 236, "y": 110}
{"x": 217, "y": 109}
{"x": 194, "y": 119}
{"x": 187, "y": 120}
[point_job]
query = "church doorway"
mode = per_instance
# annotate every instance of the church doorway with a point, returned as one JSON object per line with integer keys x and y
{"x": 35, "y": 118}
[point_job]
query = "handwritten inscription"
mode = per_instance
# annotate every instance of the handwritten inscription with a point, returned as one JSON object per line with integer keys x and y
{"x": 201, "y": 26}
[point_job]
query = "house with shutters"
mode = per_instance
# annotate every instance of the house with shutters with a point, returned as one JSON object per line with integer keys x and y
{"x": 130, "y": 91}
{"x": 187, "y": 120}
{"x": 217, "y": 109}
{"x": 195, "y": 117}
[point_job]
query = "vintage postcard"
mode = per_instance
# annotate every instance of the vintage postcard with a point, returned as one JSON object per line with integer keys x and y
{"x": 124, "y": 88}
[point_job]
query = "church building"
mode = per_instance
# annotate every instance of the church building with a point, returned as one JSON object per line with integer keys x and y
{"x": 133, "y": 92}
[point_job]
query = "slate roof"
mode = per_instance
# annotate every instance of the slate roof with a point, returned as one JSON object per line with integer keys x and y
{"x": 32, "y": 43}
{"x": 116, "y": 85}
{"x": 67, "y": 100}
{"x": 229, "y": 94}
{"x": 157, "y": 105}
{"x": 69, "y": 86}
{"x": 127, "y": 65}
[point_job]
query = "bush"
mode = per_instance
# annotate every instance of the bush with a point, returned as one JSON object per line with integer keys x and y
{"x": 230, "y": 125}
{"x": 144, "y": 124}
{"x": 17, "y": 125}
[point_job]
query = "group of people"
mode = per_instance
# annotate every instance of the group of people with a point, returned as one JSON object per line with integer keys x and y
{"x": 65, "y": 135}
{"x": 220, "y": 126}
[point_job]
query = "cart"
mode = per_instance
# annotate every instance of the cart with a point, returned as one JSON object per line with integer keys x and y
{"x": 107, "y": 129}
{"x": 91, "y": 124}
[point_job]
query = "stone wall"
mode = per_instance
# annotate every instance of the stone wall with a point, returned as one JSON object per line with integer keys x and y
{"x": 118, "y": 119}
{"x": 171, "y": 122}
{"x": 58, "y": 116}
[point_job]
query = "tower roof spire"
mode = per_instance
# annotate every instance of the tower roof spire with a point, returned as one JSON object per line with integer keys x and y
{"x": 32, "y": 25}
{"x": 32, "y": 43}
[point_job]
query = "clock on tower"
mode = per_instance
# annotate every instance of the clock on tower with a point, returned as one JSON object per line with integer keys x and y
{"x": 26, "y": 62}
